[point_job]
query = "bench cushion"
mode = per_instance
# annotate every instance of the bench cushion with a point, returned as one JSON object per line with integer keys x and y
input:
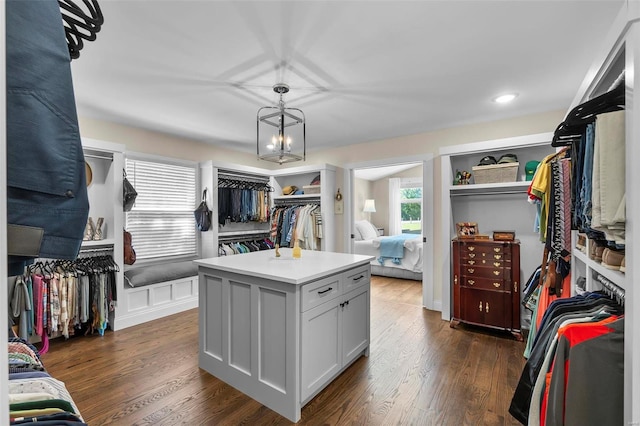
{"x": 147, "y": 275}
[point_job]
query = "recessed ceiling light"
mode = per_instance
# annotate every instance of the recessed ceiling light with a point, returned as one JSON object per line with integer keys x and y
{"x": 503, "y": 99}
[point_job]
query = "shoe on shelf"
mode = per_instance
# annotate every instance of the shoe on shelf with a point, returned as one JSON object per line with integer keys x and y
{"x": 89, "y": 230}
{"x": 581, "y": 243}
{"x": 623, "y": 268}
{"x": 612, "y": 259}
{"x": 97, "y": 234}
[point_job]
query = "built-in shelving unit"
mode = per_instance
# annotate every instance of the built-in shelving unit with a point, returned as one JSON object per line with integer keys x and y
{"x": 278, "y": 179}
{"x": 106, "y": 160}
{"x": 493, "y": 206}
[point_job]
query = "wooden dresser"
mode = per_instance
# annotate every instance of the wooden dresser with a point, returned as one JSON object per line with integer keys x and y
{"x": 486, "y": 284}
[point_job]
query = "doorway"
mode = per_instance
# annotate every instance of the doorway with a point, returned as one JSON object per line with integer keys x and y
{"x": 369, "y": 183}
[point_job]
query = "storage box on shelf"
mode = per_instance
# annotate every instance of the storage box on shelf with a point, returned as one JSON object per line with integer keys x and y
{"x": 495, "y": 173}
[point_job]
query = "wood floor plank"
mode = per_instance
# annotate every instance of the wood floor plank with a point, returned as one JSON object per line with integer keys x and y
{"x": 419, "y": 372}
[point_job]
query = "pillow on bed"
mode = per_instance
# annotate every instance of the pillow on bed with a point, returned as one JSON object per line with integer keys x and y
{"x": 356, "y": 234}
{"x": 367, "y": 230}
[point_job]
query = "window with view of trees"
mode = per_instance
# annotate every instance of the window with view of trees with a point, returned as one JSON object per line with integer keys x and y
{"x": 411, "y": 208}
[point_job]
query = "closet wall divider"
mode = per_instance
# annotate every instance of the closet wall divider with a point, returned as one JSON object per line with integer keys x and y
{"x": 214, "y": 174}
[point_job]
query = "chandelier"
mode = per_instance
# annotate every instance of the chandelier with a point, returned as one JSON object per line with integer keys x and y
{"x": 281, "y": 131}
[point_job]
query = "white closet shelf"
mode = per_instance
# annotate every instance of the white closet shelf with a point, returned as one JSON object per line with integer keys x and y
{"x": 99, "y": 243}
{"x": 489, "y": 188}
{"x": 299, "y": 197}
{"x": 614, "y": 276}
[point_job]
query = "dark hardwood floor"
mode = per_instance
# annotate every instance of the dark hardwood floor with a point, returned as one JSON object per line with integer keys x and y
{"x": 419, "y": 372}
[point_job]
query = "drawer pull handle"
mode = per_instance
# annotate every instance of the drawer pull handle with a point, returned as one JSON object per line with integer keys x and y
{"x": 472, "y": 262}
{"x": 496, "y": 264}
{"x": 359, "y": 278}
{"x": 480, "y": 307}
{"x": 455, "y": 279}
{"x": 486, "y": 307}
{"x": 345, "y": 303}
{"x": 470, "y": 270}
{"x": 471, "y": 282}
{"x": 515, "y": 286}
{"x": 496, "y": 285}
{"x": 472, "y": 255}
{"x": 497, "y": 256}
{"x": 325, "y": 291}
{"x": 496, "y": 273}
{"x": 496, "y": 249}
{"x": 471, "y": 248}
{"x": 484, "y": 261}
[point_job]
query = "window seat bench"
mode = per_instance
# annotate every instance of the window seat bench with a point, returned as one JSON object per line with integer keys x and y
{"x": 156, "y": 291}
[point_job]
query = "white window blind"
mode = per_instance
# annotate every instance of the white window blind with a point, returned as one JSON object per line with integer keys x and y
{"x": 161, "y": 221}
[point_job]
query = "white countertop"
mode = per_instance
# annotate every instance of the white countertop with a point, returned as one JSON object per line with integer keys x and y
{"x": 263, "y": 264}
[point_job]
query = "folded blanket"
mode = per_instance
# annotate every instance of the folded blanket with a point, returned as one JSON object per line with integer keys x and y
{"x": 393, "y": 248}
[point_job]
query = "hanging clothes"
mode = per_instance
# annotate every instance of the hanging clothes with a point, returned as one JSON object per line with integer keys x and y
{"x": 42, "y": 132}
{"x": 301, "y": 223}
{"x": 533, "y": 388}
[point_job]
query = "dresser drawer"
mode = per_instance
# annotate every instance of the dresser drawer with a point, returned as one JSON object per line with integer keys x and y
{"x": 318, "y": 292}
{"x": 487, "y": 262}
{"x": 485, "y": 254}
{"x": 485, "y": 272}
{"x": 483, "y": 283}
{"x": 356, "y": 277}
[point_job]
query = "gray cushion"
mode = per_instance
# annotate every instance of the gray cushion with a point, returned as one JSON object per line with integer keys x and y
{"x": 147, "y": 275}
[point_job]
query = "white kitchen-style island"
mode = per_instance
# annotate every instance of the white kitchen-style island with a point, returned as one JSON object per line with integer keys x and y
{"x": 281, "y": 329}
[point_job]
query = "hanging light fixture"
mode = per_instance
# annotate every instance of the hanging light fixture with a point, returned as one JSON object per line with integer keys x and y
{"x": 285, "y": 143}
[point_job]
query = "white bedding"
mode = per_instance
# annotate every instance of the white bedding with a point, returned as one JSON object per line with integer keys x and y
{"x": 411, "y": 261}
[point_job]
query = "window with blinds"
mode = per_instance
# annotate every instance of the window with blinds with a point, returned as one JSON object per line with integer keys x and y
{"x": 161, "y": 221}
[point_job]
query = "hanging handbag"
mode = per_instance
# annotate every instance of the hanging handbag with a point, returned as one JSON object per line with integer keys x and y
{"x": 203, "y": 214}
{"x": 129, "y": 252}
{"x": 129, "y": 193}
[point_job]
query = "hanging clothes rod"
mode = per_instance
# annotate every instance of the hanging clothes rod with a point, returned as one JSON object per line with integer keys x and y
{"x": 99, "y": 157}
{"x": 296, "y": 201}
{"x": 96, "y": 250}
{"x": 239, "y": 238}
{"x": 610, "y": 288}
{"x": 242, "y": 177}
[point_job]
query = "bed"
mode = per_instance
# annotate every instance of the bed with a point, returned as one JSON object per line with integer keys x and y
{"x": 398, "y": 256}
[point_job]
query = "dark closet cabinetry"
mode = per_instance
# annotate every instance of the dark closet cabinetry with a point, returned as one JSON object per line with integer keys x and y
{"x": 486, "y": 284}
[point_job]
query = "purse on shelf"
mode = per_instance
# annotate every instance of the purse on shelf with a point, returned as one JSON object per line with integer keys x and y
{"x": 129, "y": 252}
{"x": 203, "y": 214}
{"x": 129, "y": 193}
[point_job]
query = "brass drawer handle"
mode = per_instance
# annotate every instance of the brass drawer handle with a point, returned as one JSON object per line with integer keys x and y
{"x": 497, "y": 256}
{"x": 515, "y": 286}
{"x": 496, "y": 264}
{"x": 471, "y": 248}
{"x": 471, "y": 282}
{"x": 496, "y": 285}
{"x": 472, "y": 262}
{"x": 496, "y": 273}
{"x": 472, "y": 255}
{"x": 486, "y": 307}
{"x": 470, "y": 270}
{"x": 496, "y": 249}
{"x": 484, "y": 261}
{"x": 480, "y": 306}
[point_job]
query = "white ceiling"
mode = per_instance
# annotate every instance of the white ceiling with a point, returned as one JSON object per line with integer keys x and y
{"x": 360, "y": 70}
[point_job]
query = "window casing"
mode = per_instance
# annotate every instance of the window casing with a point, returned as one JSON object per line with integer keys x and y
{"x": 161, "y": 221}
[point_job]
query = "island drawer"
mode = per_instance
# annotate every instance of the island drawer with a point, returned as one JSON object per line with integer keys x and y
{"x": 356, "y": 277}
{"x": 318, "y": 292}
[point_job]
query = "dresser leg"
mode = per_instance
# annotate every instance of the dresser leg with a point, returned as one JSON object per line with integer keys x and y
{"x": 454, "y": 323}
{"x": 518, "y": 336}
